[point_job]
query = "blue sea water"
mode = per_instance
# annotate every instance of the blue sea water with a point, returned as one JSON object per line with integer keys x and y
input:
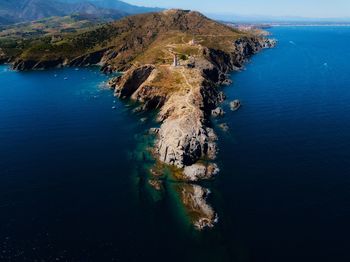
{"x": 71, "y": 174}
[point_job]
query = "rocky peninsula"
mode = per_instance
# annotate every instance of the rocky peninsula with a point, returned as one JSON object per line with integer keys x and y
{"x": 185, "y": 96}
{"x": 173, "y": 62}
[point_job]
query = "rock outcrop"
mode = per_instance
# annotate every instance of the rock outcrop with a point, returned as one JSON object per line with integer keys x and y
{"x": 128, "y": 84}
{"x": 194, "y": 198}
{"x": 200, "y": 171}
{"x": 217, "y": 112}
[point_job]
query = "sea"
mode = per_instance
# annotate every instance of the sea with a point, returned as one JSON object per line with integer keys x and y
{"x": 74, "y": 161}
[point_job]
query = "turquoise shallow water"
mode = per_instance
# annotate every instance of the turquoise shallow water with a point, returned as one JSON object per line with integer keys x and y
{"x": 72, "y": 183}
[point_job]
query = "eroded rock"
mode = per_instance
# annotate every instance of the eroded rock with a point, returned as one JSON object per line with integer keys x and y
{"x": 217, "y": 112}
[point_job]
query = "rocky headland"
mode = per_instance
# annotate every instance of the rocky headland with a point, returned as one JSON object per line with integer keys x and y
{"x": 174, "y": 62}
{"x": 186, "y": 100}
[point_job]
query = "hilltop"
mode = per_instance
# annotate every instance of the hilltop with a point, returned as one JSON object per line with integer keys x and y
{"x": 173, "y": 61}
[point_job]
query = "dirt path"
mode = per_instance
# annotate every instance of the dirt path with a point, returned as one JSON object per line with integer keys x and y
{"x": 190, "y": 94}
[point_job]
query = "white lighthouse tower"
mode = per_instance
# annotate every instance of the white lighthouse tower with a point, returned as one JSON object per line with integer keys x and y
{"x": 176, "y": 61}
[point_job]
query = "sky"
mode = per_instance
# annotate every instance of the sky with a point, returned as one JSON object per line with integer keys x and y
{"x": 294, "y": 8}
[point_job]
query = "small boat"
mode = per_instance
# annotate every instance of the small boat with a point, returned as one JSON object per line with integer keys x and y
{"x": 66, "y": 78}
{"x": 235, "y": 105}
{"x": 113, "y": 107}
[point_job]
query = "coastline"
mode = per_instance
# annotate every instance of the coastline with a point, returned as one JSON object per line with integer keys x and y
{"x": 310, "y": 25}
{"x": 179, "y": 76}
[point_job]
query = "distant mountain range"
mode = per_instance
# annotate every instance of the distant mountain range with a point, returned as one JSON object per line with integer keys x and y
{"x": 274, "y": 19}
{"x": 28, "y": 10}
{"x": 117, "y": 5}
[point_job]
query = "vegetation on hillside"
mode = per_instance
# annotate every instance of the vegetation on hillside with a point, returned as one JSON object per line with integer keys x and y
{"x": 53, "y": 37}
{"x": 146, "y": 38}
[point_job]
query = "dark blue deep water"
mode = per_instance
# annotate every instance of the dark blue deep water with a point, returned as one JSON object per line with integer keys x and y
{"x": 71, "y": 186}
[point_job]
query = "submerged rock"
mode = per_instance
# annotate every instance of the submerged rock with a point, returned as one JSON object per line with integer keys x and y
{"x": 235, "y": 105}
{"x": 156, "y": 184}
{"x": 224, "y": 127}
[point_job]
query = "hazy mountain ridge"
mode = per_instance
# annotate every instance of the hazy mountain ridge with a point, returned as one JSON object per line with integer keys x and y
{"x": 30, "y": 10}
{"x": 116, "y": 4}
{"x": 26, "y": 10}
{"x": 275, "y": 19}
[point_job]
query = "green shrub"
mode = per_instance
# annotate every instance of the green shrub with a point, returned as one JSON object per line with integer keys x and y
{"x": 183, "y": 57}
